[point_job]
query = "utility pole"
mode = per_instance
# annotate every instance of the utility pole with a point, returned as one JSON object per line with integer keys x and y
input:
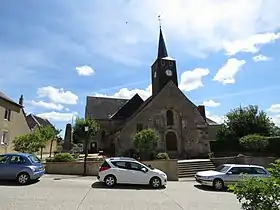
{"x": 86, "y": 150}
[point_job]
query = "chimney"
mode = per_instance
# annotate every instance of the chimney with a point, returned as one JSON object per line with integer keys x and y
{"x": 21, "y": 100}
{"x": 201, "y": 110}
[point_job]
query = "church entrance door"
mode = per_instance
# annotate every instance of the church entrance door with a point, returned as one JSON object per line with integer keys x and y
{"x": 93, "y": 148}
{"x": 171, "y": 141}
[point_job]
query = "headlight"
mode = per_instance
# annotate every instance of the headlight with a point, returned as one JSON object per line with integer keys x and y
{"x": 35, "y": 169}
{"x": 206, "y": 177}
{"x": 164, "y": 175}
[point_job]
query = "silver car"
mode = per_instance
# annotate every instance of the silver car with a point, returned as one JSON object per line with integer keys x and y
{"x": 228, "y": 174}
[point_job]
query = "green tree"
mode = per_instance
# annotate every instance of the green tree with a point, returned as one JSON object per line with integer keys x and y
{"x": 84, "y": 131}
{"x": 254, "y": 142}
{"x": 47, "y": 133}
{"x": 275, "y": 131}
{"x": 28, "y": 143}
{"x": 146, "y": 142}
{"x": 243, "y": 121}
{"x": 260, "y": 193}
{"x": 79, "y": 132}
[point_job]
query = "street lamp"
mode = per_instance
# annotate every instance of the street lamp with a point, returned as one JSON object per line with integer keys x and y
{"x": 86, "y": 150}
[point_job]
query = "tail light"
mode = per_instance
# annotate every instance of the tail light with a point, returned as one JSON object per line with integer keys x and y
{"x": 103, "y": 168}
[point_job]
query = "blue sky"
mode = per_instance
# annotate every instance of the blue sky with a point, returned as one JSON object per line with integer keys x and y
{"x": 58, "y": 52}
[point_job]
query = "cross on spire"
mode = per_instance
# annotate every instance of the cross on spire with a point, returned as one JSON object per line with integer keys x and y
{"x": 159, "y": 21}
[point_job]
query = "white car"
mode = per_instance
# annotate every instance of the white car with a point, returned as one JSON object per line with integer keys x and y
{"x": 121, "y": 170}
{"x": 228, "y": 174}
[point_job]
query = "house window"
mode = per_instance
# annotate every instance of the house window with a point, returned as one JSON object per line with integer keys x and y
{"x": 4, "y": 138}
{"x": 170, "y": 63}
{"x": 169, "y": 117}
{"x": 139, "y": 127}
{"x": 7, "y": 115}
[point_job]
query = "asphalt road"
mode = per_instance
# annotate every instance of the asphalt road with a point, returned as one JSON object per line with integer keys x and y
{"x": 55, "y": 192}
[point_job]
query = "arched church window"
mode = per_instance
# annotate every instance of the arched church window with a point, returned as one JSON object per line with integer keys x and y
{"x": 162, "y": 62}
{"x": 103, "y": 135}
{"x": 169, "y": 117}
{"x": 170, "y": 63}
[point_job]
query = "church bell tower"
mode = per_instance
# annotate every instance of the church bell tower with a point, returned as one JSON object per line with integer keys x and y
{"x": 164, "y": 68}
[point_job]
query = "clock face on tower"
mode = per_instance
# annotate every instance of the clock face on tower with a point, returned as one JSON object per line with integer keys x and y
{"x": 168, "y": 72}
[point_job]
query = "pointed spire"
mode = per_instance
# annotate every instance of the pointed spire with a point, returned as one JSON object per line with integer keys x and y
{"x": 162, "y": 51}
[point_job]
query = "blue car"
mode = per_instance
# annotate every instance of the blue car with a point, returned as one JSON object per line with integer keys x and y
{"x": 21, "y": 167}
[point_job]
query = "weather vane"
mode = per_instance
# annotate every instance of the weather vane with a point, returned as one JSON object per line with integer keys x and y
{"x": 159, "y": 21}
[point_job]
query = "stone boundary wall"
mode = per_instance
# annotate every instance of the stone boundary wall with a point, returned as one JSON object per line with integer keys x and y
{"x": 170, "y": 167}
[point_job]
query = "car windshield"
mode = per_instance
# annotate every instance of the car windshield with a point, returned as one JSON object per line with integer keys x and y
{"x": 34, "y": 159}
{"x": 222, "y": 168}
{"x": 149, "y": 166}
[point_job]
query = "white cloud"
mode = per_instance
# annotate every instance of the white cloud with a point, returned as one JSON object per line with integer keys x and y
{"x": 57, "y": 95}
{"x": 261, "y": 57}
{"x": 216, "y": 118}
{"x": 47, "y": 105}
{"x": 85, "y": 70}
{"x": 191, "y": 80}
{"x": 59, "y": 117}
{"x": 222, "y": 26}
{"x": 251, "y": 45}
{"x": 129, "y": 93}
{"x": 211, "y": 103}
{"x": 226, "y": 74}
{"x": 274, "y": 108}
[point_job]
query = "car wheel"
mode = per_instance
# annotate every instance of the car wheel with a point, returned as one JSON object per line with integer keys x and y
{"x": 110, "y": 180}
{"x": 23, "y": 178}
{"x": 155, "y": 182}
{"x": 218, "y": 184}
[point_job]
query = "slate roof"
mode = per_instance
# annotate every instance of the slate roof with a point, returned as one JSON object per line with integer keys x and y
{"x": 129, "y": 108}
{"x": 106, "y": 108}
{"x": 102, "y": 107}
{"x": 6, "y": 98}
{"x": 211, "y": 122}
{"x": 34, "y": 120}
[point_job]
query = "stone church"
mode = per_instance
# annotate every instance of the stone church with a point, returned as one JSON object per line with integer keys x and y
{"x": 184, "y": 129}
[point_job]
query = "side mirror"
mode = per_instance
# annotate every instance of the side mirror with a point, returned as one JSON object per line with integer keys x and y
{"x": 229, "y": 173}
{"x": 144, "y": 170}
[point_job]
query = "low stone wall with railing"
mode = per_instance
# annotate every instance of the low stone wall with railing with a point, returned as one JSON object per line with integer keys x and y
{"x": 170, "y": 167}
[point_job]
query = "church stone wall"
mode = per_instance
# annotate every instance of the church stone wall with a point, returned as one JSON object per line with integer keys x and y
{"x": 189, "y": 127}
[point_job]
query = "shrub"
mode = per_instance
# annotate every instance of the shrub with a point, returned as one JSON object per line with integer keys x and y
{"x": 254, "y": 142}
{"x": 260, "y": 193}
{"x": 162, "y": 156}
{"x": 62, "y": 157}
{"x": 146, "y": 142}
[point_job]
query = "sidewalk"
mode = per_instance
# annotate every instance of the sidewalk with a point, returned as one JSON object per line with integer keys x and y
{"x": 187, "y": 179}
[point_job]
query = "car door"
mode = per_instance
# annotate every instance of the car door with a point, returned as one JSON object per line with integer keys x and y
{"x": 4, "y": 166}
{"x": 121, "y": 172}
{"x": 16, "y": 164}
{"x": 138, "y": 176}
{"x": 232, "y": 176}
